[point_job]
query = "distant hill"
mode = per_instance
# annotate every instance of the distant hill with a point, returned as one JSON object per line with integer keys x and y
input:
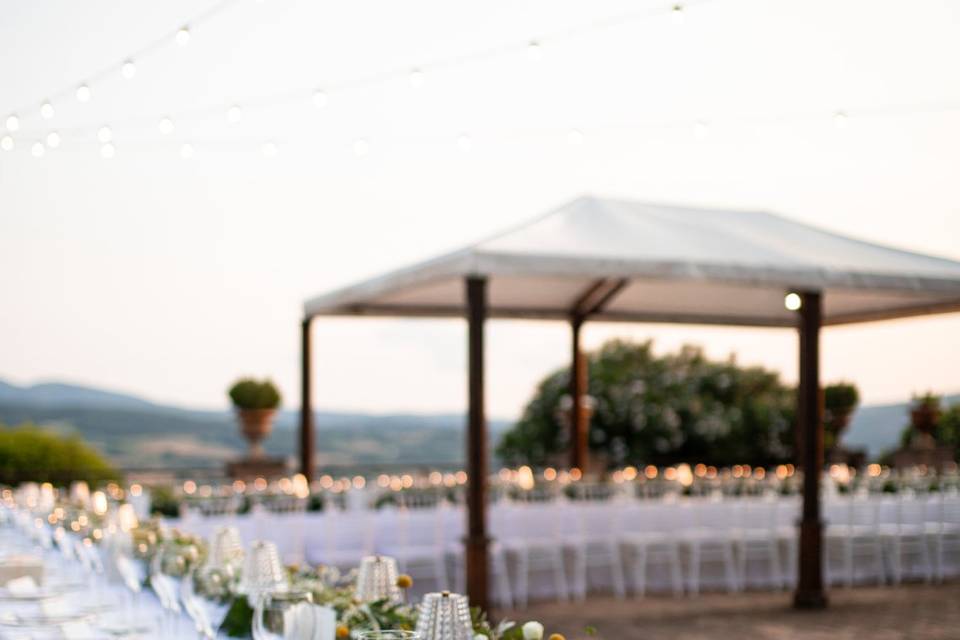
{"x": 134, "y": 432}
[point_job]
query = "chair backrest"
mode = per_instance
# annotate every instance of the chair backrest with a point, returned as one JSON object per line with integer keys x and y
{"x": 284, "y": 504}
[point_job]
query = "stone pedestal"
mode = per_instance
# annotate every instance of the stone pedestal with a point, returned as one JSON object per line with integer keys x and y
{"x": 924, "y": 450}
{"x": 248, "y": 469}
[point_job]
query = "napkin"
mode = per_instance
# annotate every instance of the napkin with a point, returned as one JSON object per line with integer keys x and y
{"x": 22, "y": 586}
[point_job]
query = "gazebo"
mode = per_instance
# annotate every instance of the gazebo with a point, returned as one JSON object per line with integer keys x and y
{"x": 623, "y": 261}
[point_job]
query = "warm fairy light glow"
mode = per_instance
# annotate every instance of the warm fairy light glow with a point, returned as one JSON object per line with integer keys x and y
{"x": 792, "y": 301}
{"x": 650, "y": 472}
{"x": 107, "y": 151}
{"x": 136, "y": 490}
{"x": 189, "y": 487}
{"x": 461, "y": 477}
{"x": 46, "y": 110}
{"x": 549, "y": 474}
{"x": 383, "y": 481}
{"x": 575, "y": 474}
{"x": 6, "y": 143}
{"x": 104, "y": 134}
{"x": 53, "y": 139}
{"x": 166, "y": 126}
{"x": 781, "y": 472}
{"x": 183, "y": 36}
{"x": 670, "y": 473}
{"x": 436, "y": 478}
{"x": 525, "y": 478}
{"x": 700, "y": 470}
{"x": 13, "y": 123}
{"x": 83, "y": 93}
{"x": 128, "y": 70}
{"x": 99, "y": 502}
{"x": 38, "y": 150}
{"x": 260, "y": 484}
{"x": 684, "y": 475}
{"x": 874, "y": 470}
{"x": 760, "y": 473}
{"x": 629, "y": 473}
{"x": 239, "y": 486}
{"x": 359, "y": 482}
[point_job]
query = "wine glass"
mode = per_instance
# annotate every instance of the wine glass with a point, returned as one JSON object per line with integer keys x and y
{"x": 279, "y": 615}
{"x": 207, "y": 596}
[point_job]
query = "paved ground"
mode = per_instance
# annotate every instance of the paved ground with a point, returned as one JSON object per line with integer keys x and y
{"x": 912, "y": 612}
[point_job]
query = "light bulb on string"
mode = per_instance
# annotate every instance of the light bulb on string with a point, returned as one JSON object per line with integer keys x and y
{"x": 361, "y": 147}
{"x": 575, "y": 137}
{"x": 186, "y": 151}
{"x": 37, "y": 150}
{"x": 166, "y": 126}
{"x": 6, "y": 143}
{"x": 319, "y": 98}
{"x": 534, "y": 50}
{"x": 83, "y": 93}
{"x": 416, "y": 78}
{"x": 269, "y": 149}
{"x": 104, "y": 134}
{"x": 677, "y": 13}
{"x": 183, "y": 36}
{"x": 792, "y": 301}
{"x": 46, "y": 110}
{"x": 701, "y": 129}
{"x": 129, "y": 69}
{"x": 53, "y": 139}
{"x": 13, "y": 123}
{"x": 107, "y": 150}
{"x": 464, "y": 142}
{"x": 840, "y": 120}
{"x": 234, "y": 114}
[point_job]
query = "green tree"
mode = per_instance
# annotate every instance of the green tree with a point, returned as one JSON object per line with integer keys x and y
{"x": 28, "y": 453}
{"x": 947, "y": 432}
{"x": 662, "y": 409}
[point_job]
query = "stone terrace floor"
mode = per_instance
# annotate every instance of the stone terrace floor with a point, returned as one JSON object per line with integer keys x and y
{"x": 914, "y": 612}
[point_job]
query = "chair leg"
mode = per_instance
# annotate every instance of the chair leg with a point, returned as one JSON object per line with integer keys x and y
{"x": 776, "y": 569}
{"x": 639, "y": 566}
{"x": 676, "y": 571}
{"x": 694, "y": 586}
{"x": 579, "y": 582}
{"x": 616, "y": 568}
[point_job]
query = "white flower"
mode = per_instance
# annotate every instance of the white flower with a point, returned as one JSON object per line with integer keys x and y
{"x": 533, "y": 631}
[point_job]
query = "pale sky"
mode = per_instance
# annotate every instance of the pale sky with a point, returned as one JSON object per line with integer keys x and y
{"x": 168, "y": 277}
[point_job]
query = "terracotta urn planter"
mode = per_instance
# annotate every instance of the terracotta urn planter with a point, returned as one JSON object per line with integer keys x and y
{"x": 924, "y": 418}
{"x": 255, "y": 425}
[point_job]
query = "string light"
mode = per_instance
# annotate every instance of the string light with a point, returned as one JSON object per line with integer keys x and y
{"x": 46, "y": 110}
{"x": 13, "y": 123}
{"x": 183, "y": 36}
{"x": 575, "y": 136}
{"x": 37, "y": 149}
{"x": 464, "y": 142}
{"x": 6, "y": 143}
{"x": 416, "y": 78}
{"x": 53, "y": 139}
{"x": 107, "y": 150}
{"x": 677, "y": 13}
{"x": 83, "y": 93}
{"x": 104, "y": 134}
{"x": 534, "y": 50}
{"x": 234, "y": 114}
{"x": 269, "y": 149}
{"x": 361, "y": 147}
{"x": 840, "y": 120}
{"x": 128, "y": 70}
{"x": 186, "y": 151}
{"x": 701, "y": 129}
{"x": 792, "y": 301}
{"x": 166, "y": 126}
{"x": 319, "y": 99}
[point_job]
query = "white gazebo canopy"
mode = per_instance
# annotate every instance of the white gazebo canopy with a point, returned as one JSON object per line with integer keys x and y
{"x": 620, "y": 260}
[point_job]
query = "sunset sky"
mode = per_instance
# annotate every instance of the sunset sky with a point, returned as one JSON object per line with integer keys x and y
{"x": 169, "y": 277}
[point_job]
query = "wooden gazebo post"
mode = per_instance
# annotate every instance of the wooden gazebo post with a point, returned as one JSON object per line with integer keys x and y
{"x": 810, "y": 593}
{"x": 306, "y": 402}
{"x": 578, "y": 388}
{"x": 476, "y": 541}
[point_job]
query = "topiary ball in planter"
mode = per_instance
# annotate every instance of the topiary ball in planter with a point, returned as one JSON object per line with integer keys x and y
{"x": 256, "y": 403}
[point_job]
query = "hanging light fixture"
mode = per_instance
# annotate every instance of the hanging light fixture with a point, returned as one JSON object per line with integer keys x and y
{"x": 83, "y": 93}
{"x": 183, "y": 36}
{"x": 46, "y": 110}
{"x": 13, "y": 123}
{"x": 107, "y": 150}
{"x": 53, "y": 139}
{"x": 129, "y": 69}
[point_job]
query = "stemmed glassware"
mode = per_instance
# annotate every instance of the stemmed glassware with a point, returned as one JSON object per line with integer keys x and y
{"x": 283, "y": 615}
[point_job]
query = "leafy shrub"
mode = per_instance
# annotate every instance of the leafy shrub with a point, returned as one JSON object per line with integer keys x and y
{"x": 32, "y": 454}
{"x": 663, "y": 409}
{"x": 248, "y": 393}
{"x": 164, "y": 502}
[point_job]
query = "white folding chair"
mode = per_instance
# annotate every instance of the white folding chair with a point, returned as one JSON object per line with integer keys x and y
{"x": 648, "y": 539}
{"x": 530, "y": 539}
{"x": 755, "y": 536}
{"x": 943, "y": 529}
{"x": 706, "y": 534}
{"x": 591, "y": 534}
{"x": 908, "y": 537}
{"x": 853, "y": 528}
